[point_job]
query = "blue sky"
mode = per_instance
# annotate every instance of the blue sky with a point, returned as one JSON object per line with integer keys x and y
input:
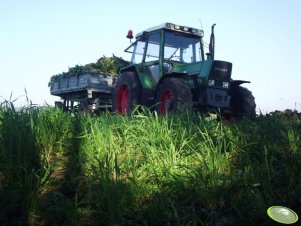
{"x": 42, "y": 38}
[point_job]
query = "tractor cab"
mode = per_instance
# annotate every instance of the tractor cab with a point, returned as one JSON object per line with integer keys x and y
{"x": 160, "y": 50}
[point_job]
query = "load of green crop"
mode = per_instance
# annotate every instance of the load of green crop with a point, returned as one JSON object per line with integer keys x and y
{"x": 109, "y": 66}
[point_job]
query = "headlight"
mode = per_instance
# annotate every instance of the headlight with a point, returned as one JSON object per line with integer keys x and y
{"x": 211, "y": 82}
{"x": 225, "y": 85}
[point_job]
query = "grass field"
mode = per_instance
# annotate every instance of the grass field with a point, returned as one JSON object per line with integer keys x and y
{"x": 59, "y": 169}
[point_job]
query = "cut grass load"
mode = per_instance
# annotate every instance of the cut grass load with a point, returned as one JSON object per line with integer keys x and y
{"x": 142, "y": 169}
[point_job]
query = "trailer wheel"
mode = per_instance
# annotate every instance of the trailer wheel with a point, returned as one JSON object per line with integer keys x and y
{"x": 242, "y": 102}
{"x": 127, "y": 93}
{"x": 173, "y": 95}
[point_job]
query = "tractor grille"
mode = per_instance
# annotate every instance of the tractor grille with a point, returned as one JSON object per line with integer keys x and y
{"x": 220, "y": 72}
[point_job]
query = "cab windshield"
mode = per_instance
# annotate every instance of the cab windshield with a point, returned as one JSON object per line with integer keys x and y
{"x": 182, "y": 48}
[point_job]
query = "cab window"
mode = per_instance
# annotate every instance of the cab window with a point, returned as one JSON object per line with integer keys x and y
{"x": 182, "y": 47}
{"x": 153, "y": 47}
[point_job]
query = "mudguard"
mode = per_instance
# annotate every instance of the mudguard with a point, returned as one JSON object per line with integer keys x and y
{"x": 238, "y": 82}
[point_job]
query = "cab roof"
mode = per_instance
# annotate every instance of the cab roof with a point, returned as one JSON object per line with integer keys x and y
{"x": 175, "y": 27}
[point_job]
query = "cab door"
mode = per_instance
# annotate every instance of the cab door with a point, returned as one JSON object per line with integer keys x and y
{"x": 151, "y": 60}
{"x": 146, "y": 58}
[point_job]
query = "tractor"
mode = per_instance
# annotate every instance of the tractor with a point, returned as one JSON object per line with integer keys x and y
{"x": 170, "y": 72}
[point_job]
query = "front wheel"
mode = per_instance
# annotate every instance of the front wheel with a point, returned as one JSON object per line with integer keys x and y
{"x": 127, "y": 93}
{"x": 242, "y": 102}
{"x": 173, "y": 95}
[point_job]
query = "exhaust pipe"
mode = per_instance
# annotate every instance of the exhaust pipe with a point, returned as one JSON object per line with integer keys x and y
{"x": 210, "y": 56}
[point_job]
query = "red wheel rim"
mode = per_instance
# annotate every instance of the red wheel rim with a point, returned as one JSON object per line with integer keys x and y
{"x": 166, "y": 101}
{"x": 122, "y": 99}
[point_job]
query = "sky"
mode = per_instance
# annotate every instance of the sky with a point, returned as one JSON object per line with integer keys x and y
{"x": 41, "y": 38}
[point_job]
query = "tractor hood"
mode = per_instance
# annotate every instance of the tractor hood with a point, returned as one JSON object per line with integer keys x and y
{"x": 214, "y": 69}
{"x": 192, "y": 68}
{"x": 214, "y": 72}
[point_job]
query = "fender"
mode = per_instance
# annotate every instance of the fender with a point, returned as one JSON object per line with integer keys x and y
{"x": 128, "y": 68}
{"x": 238, "y": 82}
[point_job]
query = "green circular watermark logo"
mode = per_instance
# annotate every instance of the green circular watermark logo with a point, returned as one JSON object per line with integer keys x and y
{"x": 282, "y": 214}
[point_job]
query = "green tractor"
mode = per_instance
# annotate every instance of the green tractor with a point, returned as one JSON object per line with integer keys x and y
{"x": 169, "y": 72}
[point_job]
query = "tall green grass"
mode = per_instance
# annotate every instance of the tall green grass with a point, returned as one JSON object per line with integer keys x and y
{"x": 21, "y": 172}
{"x": 60, "y": 169}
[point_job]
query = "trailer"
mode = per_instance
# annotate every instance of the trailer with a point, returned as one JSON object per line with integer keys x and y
{"x": 83, "y": 92}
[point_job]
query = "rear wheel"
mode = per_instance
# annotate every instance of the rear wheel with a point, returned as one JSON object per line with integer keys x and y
{"x": 173, "y": 95}
{"x": 242, "y": 102}
{"x": 127, "y": 93}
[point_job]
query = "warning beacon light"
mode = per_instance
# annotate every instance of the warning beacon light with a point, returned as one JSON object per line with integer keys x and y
{"x": 130, "y": 35}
